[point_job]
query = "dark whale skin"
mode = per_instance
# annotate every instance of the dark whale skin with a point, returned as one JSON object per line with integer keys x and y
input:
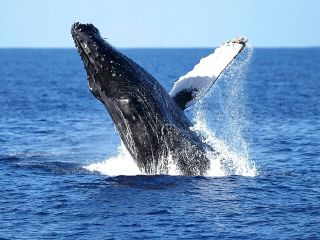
{"x": 151, "y": 125}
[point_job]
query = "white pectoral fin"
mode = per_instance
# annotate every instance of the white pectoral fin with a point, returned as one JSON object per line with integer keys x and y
{"x": 196, "y": 83}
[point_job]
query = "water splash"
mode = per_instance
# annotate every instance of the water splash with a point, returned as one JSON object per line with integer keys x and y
{"x": 224, "y": 125}
{"x": 226, "y": 134}
{"x": 224, "y": 160}
{"x": 121, "y": 164}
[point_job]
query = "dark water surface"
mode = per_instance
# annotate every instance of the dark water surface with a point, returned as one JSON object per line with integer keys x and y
{"x": 51, "y": 126}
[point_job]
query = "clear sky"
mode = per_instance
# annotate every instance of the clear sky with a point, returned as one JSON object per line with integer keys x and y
{"x": 162, "y": 23}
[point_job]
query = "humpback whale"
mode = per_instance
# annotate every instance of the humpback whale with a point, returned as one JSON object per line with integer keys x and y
{"x": 150, "y": 121}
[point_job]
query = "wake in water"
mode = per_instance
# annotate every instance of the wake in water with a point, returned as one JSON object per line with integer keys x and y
{"x": 232, "y": 146}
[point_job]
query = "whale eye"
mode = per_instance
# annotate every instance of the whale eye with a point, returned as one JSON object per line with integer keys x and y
{"x": 124, "y": 100}
{"x": 124, "y": 104}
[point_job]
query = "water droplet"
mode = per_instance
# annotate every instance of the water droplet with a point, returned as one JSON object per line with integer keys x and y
{"x": 102, "y": 59}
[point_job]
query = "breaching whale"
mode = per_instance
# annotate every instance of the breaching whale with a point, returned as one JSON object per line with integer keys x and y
{"x": 151, "y": 121}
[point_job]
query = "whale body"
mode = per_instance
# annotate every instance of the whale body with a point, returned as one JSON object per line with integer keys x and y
{"x": 150, "y": 121}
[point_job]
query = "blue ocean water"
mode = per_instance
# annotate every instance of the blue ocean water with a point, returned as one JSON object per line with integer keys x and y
{"x": 52, "y": 127}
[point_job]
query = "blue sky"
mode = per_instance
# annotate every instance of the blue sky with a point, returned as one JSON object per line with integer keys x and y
{"x": 165, "y": 23}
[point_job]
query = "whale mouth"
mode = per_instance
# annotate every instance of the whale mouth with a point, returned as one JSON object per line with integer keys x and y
{"x": 96, "y": 54}
{"x": 82, "y": 35}
{"x": 88, "y": 43}
{"x": 108, "y": 70}
{"x": 91, "y": 45}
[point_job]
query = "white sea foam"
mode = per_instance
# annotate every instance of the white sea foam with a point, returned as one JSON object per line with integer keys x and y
{"x": 233, "y": 148}
{"x": 121, "y": 164}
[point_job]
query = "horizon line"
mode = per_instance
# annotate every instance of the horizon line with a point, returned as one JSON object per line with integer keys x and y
{"x": 155, "y": 47}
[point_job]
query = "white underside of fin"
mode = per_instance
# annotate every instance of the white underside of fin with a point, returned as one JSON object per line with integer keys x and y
{"x": 200, "y": 79}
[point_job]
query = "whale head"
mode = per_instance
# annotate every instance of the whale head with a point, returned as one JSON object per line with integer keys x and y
{"x": 109, "y": 72}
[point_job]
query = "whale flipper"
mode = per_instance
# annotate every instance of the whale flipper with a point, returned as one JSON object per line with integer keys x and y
{"x": 196, "y": 83}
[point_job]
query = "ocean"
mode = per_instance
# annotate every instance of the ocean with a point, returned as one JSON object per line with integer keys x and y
{"x": 65, "y": 175}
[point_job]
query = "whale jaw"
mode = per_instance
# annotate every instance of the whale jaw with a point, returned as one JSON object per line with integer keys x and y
{"x": 104, "y": 65}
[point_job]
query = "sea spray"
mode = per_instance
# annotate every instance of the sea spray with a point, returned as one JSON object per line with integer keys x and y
{"x": 224, "y": 160}
{"x": 221, "y": 118}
